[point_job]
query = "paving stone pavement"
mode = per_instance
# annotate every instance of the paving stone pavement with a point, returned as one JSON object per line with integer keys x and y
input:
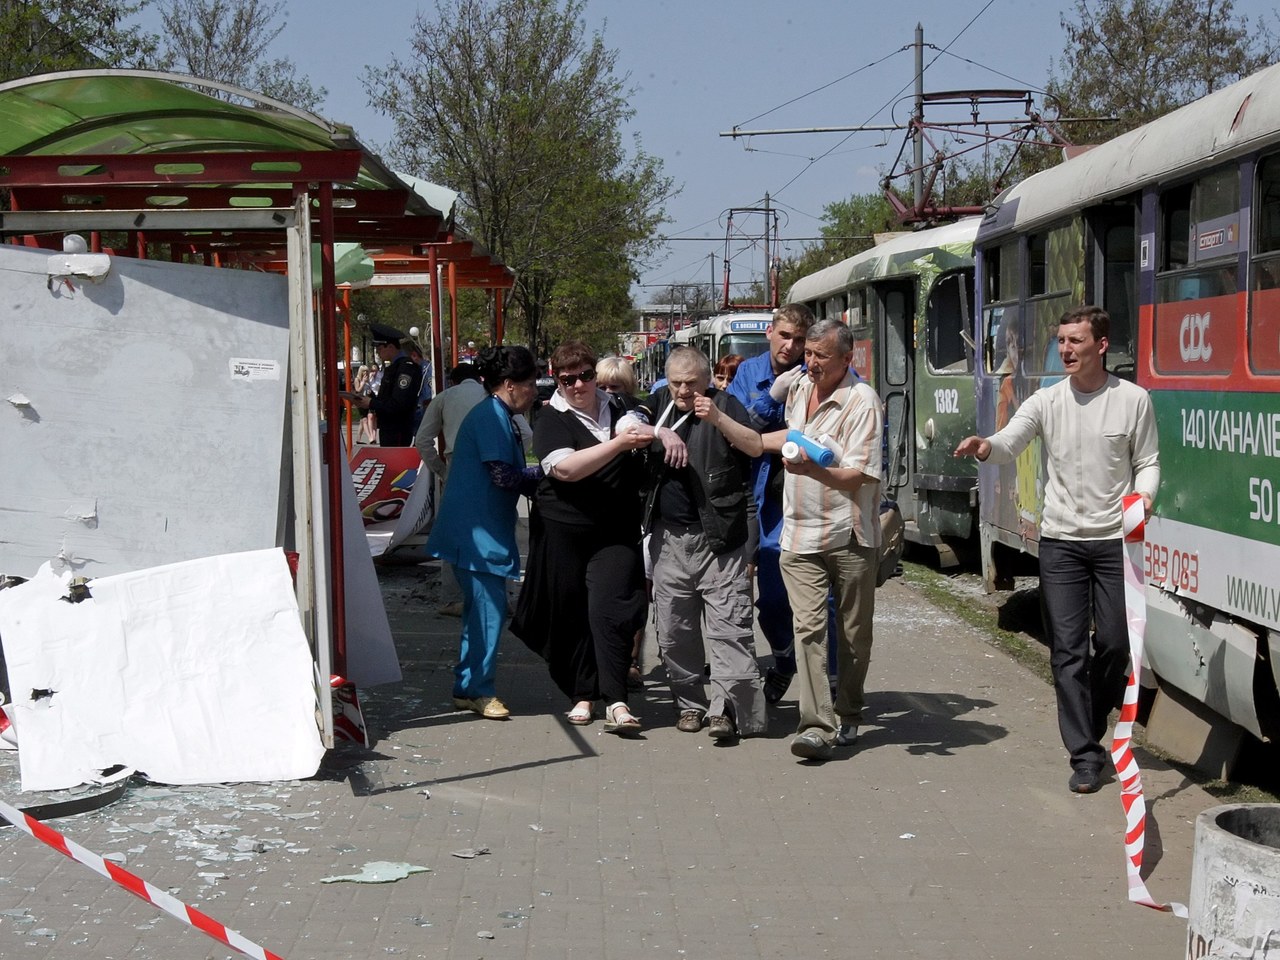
{"x": 948, "y": 832}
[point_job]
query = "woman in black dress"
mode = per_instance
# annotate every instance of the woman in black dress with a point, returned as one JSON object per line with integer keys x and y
{"x": 583, "y": 596}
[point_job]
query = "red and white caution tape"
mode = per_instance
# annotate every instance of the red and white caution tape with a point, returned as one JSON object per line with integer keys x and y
{"x": 1131, "y": 795}
{"x": 348, "y": 719}
{"x": 134, "y": 884}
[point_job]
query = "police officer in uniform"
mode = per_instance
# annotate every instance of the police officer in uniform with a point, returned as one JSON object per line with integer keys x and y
{"x": 397, "y": 398}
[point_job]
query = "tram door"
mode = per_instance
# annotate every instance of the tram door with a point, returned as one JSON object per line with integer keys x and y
{"x": 1113, "y": 280}
{"x": 894, "y": 306}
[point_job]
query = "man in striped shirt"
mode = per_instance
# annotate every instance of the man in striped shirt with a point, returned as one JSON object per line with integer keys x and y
{"x": 831, "y": 535}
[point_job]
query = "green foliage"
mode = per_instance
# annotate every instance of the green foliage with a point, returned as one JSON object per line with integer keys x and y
{"x": 44, "y": 36}
{"x": 511, "y": 104}
{"x": 698, "y": 298}
{"x": 227, "y": 41}
{"x": 401, "y": 308}
{"x": 1138, "y": 59}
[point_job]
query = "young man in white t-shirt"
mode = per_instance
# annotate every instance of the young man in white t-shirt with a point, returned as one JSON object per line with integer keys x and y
{"x": 1100, "y": 440}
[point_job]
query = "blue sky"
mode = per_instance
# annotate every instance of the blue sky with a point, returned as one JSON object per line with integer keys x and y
{"x": 700, "y": 67}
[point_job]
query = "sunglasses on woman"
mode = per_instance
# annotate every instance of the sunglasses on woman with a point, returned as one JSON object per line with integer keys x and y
{"x": 569, "y": 379}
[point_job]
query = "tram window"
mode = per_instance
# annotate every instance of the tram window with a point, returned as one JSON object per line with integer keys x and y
{"x": 1197, "y": 313}
{"x": 1264, "y": 297}
{"x": 835, "y": 307}
{"x": 857, "y": 307}
{"x": 897, "y": 318}
{"x": 948, "y": 322}
{"x": 1215, "y": 281}
{"x": 1217, "y": 195}
{"x": 1003, "y": 339}
{"x": 1119, "y": 265}
{"x": 991, "y": 268}
{"x": 1000, "y": 266}
{"x": 1175, "y": 233}
{"x": 1266, "y": 207}
{"x": 745, "y": 345}
{"x": 1037, "y": 265}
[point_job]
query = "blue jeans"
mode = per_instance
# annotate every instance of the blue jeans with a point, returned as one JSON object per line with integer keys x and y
{"x": 484, "y": 613}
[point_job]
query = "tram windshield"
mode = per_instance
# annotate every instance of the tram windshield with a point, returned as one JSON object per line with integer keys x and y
{"x": 746, "y": 345}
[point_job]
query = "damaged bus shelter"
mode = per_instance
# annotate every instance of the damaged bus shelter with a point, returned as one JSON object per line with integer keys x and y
{"x": 170, "y": 419}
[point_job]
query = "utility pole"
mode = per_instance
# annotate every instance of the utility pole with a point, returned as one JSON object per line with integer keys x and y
{"x": 768, "y": 256}
{"x": 1017, "y": 133}
{"x": 711, "y": 290}
{"x": 917, "y": 126}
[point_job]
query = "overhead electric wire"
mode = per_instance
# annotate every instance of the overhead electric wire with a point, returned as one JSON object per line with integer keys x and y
{"x": 886, "y": 104}
{"x": 975, "y": 63}
{"x": 831, "y": 83}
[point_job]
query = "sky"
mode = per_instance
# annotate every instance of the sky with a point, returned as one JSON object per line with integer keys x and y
{"x": 700, "y": 67}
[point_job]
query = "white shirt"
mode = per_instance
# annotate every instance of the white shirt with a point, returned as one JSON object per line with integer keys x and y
{"x": 599, "y": 425}
{"x": 1100, "y": 446}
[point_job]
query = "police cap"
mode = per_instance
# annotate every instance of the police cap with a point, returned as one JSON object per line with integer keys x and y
{"x": 384, "y": 334}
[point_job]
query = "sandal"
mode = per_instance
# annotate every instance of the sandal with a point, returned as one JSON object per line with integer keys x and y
{"x": 580, "y": 715}
{"x": 634, "y": 680}
{"x": 618, "y": 719}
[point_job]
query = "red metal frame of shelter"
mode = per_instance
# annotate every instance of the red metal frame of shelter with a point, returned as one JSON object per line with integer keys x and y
{"x": 139, "y": 183}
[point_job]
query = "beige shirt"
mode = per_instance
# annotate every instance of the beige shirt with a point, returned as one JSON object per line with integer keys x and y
{"x": 815, "y": 517}
{"x": 1100, "y": 446}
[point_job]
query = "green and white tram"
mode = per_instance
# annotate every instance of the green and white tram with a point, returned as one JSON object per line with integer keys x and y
{"x": 910, "y": 303}
{"x": 1174, "y": 228}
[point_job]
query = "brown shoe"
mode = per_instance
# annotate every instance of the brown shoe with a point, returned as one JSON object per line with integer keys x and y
{"x": 690, "y": 721}
{"x": 721, "y": 728}
{"x": 491, "y": 708}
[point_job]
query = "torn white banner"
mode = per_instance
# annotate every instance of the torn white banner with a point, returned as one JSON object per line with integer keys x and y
{"x": 195, "y": 672}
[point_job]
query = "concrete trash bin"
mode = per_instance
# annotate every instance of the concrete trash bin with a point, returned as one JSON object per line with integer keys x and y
{"x": 1235, "y": 882}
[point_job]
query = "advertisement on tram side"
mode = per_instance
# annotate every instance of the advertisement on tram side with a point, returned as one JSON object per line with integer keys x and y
{"x": 1216, "y": 536}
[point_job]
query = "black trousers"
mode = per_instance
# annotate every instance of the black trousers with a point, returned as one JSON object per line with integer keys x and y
{"x": 1082, "y": 584}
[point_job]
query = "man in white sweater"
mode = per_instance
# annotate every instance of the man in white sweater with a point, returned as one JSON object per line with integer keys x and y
{"x": 1099, "y": 433}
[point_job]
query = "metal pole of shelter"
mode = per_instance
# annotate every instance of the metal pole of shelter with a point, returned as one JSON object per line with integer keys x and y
{"x": 332, "y": 438}
{"x": 346, "y": 354}
{"x": 497, "y": 311}
{"x": 437, "y": 335}
{"x": 451, "y": 271}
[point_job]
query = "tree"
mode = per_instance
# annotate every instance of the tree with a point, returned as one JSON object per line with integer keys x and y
{"x": 1138, "y": 59}
{"x": 44, "y": 36}
{"x": 227, "y": 41}
{"x": 697, "y": 298}
{"x": 508, "y": 102}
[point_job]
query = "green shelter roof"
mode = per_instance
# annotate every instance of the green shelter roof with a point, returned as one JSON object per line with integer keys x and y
{"x": 94, "y": 112}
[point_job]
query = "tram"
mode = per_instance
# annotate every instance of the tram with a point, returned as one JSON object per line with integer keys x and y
{"x": 652, "y": 362}
{"x": 717, "y": 336}
{"x": 1174, "y": 228}
{"x": 728, "y": 333}
{"x": 910, "y": 303}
